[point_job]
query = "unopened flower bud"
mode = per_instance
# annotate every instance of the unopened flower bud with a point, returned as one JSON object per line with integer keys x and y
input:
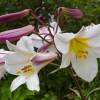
{"x": 15, "y": 34}
{"x": 13, "y": 16}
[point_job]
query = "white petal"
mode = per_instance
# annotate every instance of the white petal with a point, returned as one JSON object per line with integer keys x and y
{"x": 85, "y": 68}
{"x": 16, "y": 49}
{"x": 62, "y": 41}
{"x": 15, "y": 61}
{"x": 2, "y": 71}
{"x": 53, "y": 30}
{"x": 95, "y": 41}
{"x": 96, "y": 51}
{"x": 12, "y": 47}
{"x": 3, "y": 52}
{"x": 52, "y": 48}
{"x": 91, "y": 31}
{"x": 44, "y": 30}
{"x": 37, "y": 41}
{"x": 25, "y": 43}
{"x": 33, "y": 82}
{"x": 81, "y": 31}
{"x": 65, "y": 61}
{"x": 17, "y": 82}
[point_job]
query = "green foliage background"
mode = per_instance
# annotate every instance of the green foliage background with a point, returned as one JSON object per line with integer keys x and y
{"x": 56, "y": 86}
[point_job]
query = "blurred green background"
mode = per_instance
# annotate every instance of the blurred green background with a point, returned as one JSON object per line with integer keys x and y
{"x": 57, "y": 86}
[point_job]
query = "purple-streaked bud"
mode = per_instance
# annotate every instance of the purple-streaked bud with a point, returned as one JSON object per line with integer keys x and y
{"x": 15, "y": 34}
{"x": 74, "y": 12}
{"x": 14, "y": 16}
{"x": 77, "y": 13}
{"x": 43, "y": 58}
{"x": 43, "y": 48}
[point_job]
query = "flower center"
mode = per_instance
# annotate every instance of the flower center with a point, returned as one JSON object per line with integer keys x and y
{"x": 79, "y": 46}
{"x": 26, "y": 70}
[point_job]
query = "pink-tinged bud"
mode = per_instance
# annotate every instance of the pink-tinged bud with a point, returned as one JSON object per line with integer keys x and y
{"x": 15, "y": 34}
{"x": 14, "y": 16}
{"x": 43, "y": 48}
{"x": 74, "y": 12}
{"x": 43, "y": 58}
{"x": 77, "y": 13}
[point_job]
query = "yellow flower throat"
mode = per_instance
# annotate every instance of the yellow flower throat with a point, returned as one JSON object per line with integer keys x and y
{"x": 26, "y": 69}
{"x": 78, "y": 46}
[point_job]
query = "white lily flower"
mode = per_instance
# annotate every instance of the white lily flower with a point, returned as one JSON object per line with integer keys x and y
{"x": 81, "y": 50}
{"x": 26, "y": 63}
{"x": 44, "y": 32}
{"x": 2, "y": 62}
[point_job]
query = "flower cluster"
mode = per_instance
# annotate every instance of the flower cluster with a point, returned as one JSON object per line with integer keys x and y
{"x": 78, "y": 50}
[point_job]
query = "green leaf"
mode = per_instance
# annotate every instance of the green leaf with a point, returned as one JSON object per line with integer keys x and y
{"x": 76, "y": 92}
{"x": 92, "y": 91}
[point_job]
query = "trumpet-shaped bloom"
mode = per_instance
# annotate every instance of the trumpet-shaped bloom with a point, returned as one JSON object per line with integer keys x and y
{"x": 2, "y": 62}
{"x": 45, "y": 33}
{"x": 81, "y": 50}
{"x": 26, "y": 63}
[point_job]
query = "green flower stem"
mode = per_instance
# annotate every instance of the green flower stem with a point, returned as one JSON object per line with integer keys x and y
{"x": 77, "y": 84}
{"x": 75, "y": 79}
{"x": 58, "y": 18}
{"x": 42, "y": 38}
{"x": 55, "y": 64}
{"x": 39, "y": 20}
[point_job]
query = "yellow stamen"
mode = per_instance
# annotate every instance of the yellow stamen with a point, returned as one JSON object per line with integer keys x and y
{"x": 26, "y": 69}
{"x": 78, "y": 46}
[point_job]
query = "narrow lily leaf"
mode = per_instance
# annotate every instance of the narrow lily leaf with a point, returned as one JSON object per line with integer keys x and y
{"x": 76, "y": 92}
{"x": 14, "y": 16}
{"x": 92, "y": 91}
{"x": 54, "y": 71}
{"x": 15, "y": 34}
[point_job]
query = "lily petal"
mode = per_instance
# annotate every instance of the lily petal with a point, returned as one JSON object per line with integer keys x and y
{"x": 18, "y": 50}
{"x": 33, "y": 82}
{"x": 90, "y": 31}
{"x": 17, "y": 82}
{"x": 2, "y": 62}
{"x": 2, "y": 71}
{"x": 37, "y": 41}
{"x": 65, "y": 61}
{"x": 85, "y": 68}
{"x": 53, "y": 29}
{"x": 62, "y": 41}
{"x": 15, "y": 61}
{"x": 96, "y": 51}
{"x": 44, "y": 30}
{"x": 25, "y": 43}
